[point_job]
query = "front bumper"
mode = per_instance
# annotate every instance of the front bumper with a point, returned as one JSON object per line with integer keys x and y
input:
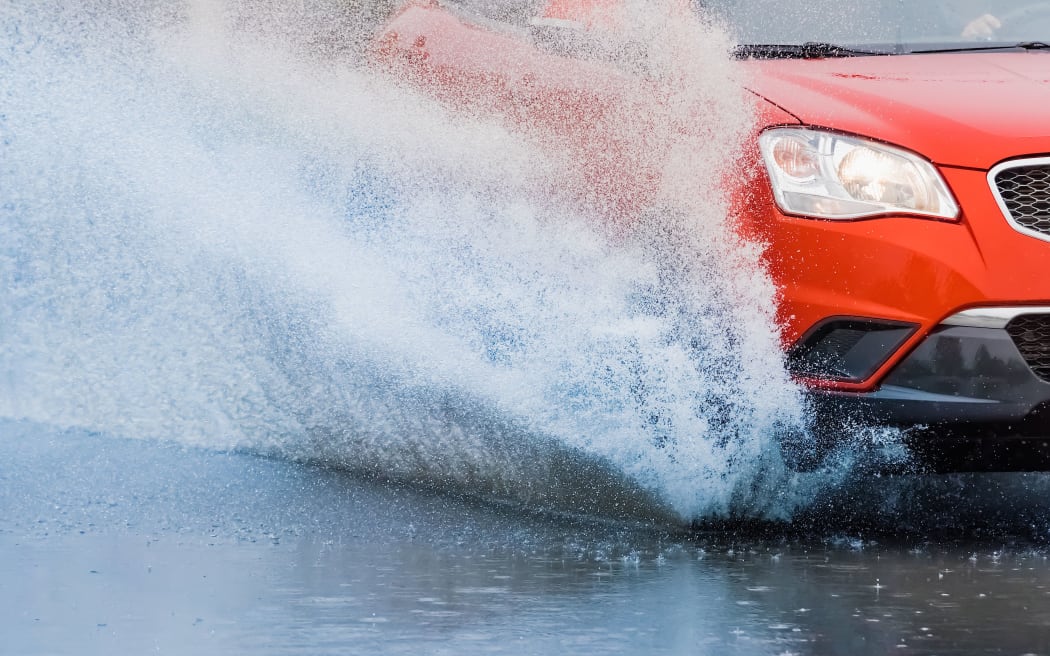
{"x": 968, "y": 383}
{"x": 902, "y": 270}
{"x": 969, "y": 369}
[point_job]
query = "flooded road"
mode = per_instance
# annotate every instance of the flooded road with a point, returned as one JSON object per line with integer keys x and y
{"x": 126, "y": 546}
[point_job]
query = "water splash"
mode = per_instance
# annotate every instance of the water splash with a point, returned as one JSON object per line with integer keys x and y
{"x": 221, "y": 230}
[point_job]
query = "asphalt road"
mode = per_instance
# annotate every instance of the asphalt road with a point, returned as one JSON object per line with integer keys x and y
{"x": 112, "y": 545}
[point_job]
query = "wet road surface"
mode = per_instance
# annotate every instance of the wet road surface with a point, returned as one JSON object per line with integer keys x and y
{"x": 125, "y": 546}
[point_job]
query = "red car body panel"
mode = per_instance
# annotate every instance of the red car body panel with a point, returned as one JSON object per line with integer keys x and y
{"x": 960, "y": 109}
{"x": 964, "y": 112}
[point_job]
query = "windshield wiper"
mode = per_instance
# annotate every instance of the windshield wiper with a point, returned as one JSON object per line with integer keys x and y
{"x": 1023, "y": 45}
{"x": 807, "y": 50}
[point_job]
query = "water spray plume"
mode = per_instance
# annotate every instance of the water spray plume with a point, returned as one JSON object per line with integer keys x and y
{"x": 221, "y": 225}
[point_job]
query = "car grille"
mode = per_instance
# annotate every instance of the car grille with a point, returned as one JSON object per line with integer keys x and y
{"x": 1031, "y": 334}
{"x": 1023, "y": 188}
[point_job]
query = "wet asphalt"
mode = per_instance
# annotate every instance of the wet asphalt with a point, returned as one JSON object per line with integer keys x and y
{"x": 128, "y": 546}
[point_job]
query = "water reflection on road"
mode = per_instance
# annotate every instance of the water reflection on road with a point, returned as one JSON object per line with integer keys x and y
{"x": 116, "y": 546}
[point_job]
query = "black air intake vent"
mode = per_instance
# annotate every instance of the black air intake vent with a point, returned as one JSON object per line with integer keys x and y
{"x": 847, "y": 349}
{"x": 1031, "y": 334}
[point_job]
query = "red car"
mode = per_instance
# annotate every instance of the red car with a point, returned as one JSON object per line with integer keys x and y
{"x": 899, "y": 173}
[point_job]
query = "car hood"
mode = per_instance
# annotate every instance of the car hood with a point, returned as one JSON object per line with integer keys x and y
{"x": 967, "y": 110}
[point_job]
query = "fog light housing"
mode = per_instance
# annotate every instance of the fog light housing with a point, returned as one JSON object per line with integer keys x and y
{"x": 847, "y": 349}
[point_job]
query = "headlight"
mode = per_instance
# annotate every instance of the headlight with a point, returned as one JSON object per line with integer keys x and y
{"x": 832, "y": 176}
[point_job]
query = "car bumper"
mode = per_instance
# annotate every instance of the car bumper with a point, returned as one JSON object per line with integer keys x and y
{"x": 979, "y": 380}
{"x": 901, "y": 271}
{"x": 970, "y": 369}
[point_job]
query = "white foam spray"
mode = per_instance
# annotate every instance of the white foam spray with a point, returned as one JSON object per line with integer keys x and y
{"x": 219, "y": 230}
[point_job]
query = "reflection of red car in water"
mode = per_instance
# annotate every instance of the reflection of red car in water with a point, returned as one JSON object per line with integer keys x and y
{"x": 904, "y": 186}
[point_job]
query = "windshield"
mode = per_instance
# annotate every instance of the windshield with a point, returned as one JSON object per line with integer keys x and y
{"x": 892, "y": 26}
